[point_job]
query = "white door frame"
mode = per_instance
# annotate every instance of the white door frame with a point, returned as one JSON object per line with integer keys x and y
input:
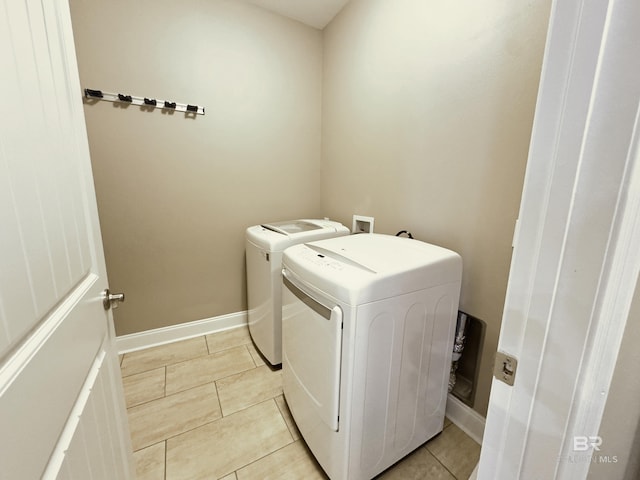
{"x": 576, "y": 260}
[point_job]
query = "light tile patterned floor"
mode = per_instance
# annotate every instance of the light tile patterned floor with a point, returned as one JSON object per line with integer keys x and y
{"x": 210, "y": 408}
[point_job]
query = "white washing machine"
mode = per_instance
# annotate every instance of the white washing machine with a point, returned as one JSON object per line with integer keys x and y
{"x": 368, "y": 324}
{"x": 264, "y": 245}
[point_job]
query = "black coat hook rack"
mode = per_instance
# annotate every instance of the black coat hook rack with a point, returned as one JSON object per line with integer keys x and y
{"x": 143, "y": 101}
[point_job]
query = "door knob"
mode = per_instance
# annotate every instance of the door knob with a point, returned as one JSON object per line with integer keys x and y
{"x": 111, "y": 300}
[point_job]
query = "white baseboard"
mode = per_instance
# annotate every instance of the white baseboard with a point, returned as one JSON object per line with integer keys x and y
{"x": 182, "y": 331}
{"x": 465, "y": 418}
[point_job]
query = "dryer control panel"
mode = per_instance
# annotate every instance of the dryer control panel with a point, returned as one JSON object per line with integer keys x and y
{"x": 320, "y": 259}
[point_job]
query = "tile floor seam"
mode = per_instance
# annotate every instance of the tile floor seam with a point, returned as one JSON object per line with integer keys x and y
{"x": 279, "y": 409}
{"x": 166, "y": 439}
{"x": 138, "y": 373}
{"x": 165, "y": 460}
{"x": 165, "y": 382}
{"x": 264, "y": 456}
{"x": 187, "y": 360}
{"x": 284, "y": 417}
{"x": 217, "y": 420}
{"x": 443, "y": 466}
{"x": 207, "y": 356}
{"x": 180, "y": 361}
{"x": 160, "y": 366}
{"x": 235, "y": 373}
{"x": 172, "y": 394}
{"x": 251, "y": 405}
{"x": 215, "y": 383}
{"x": 205, "y": 383}
{"x": 246, "y": 347}
{"x": 218, "y": 398}
{"x": 293, "y": 440}
{"x": 229, "y": 348}
{"x": 206, "y": 342}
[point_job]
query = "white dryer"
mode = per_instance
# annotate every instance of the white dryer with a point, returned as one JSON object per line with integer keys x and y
{"x": 368, "y": 323}
{"x": 264, "y": 245}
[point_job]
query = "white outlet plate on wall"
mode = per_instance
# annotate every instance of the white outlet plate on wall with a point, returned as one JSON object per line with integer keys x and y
{"x": 362, "y": 224}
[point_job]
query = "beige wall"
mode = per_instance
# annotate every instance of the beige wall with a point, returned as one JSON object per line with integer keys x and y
{"x": 427, "y": 115}
{"x": 424, "y": 108}
{"x": 175, "y": 194}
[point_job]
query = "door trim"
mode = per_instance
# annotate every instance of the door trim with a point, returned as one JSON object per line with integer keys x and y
{"x": 575, "y": 268}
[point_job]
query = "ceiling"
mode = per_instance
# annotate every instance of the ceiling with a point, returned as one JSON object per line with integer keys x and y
{"x": 316, "y": 13}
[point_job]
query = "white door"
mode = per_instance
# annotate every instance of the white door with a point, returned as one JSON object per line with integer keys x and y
{"x": 61, "y": 407}
{"x": 576, "y": 258}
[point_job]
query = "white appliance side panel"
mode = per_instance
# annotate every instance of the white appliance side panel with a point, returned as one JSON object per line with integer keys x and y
{"x": 441, "y": 348}
{"x": 418, "y": 331}
{"x": 378, "y": 342}
{"x": 401, "y": 366}
{"x": 264, "y": 300}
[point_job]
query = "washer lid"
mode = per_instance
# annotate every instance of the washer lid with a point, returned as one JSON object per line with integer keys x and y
{"x": 294, "y": 226}
{"x": 276, "y": 236}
